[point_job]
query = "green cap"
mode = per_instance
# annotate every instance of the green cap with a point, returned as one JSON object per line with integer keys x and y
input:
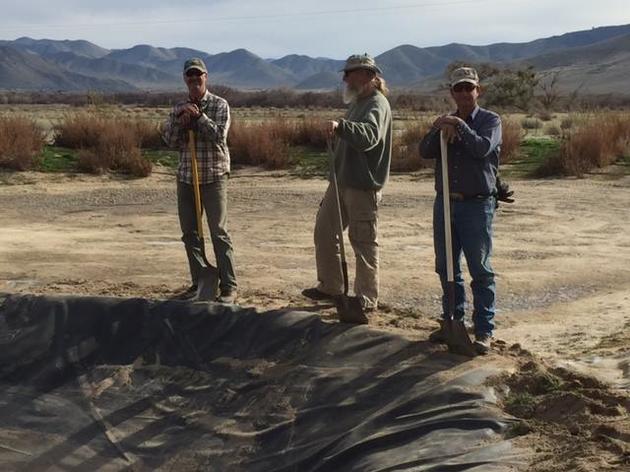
{"x": 361, "y": 61}
{"x": 195, "y": 63}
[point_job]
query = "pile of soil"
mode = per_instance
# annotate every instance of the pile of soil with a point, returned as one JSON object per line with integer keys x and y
{"x": 573, "y": 422}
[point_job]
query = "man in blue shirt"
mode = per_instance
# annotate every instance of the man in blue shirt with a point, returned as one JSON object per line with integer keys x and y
{"x": 474, "y": 143}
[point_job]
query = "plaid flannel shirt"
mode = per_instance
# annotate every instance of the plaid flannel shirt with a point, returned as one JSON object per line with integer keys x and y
{"x": 211, "y": 130}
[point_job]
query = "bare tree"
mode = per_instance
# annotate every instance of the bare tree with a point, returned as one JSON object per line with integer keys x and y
{"x": 548, "y": 84}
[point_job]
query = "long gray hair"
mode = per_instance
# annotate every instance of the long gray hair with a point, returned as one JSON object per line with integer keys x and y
{"x": 380, "y": 84}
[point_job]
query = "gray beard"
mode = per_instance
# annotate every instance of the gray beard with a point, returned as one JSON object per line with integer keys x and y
{"x": 349, "y": 96}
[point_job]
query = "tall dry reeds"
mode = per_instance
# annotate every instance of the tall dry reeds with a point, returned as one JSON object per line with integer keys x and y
{"x": 21, "y": 143}
{"x": 598, "y": 141}
{"x": 270, "y": 143}
{"x": 512, "y": 135}
{"x": 405, "y": 154}
{"x": 108, "y": 142}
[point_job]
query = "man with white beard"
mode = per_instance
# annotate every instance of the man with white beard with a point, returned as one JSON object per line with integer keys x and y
{"x": 362, "y": 151}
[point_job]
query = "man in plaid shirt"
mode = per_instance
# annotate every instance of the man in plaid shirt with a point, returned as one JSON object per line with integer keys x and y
{"x": 209, "y": 117}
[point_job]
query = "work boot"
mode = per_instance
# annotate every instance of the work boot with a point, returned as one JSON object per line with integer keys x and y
{"x": 317, "y": 295}
{"x": 438, "y": 336}
{"x": 482, "y": 343}
{"x": 227, "y": 296}
{"x": 367, "y": 305}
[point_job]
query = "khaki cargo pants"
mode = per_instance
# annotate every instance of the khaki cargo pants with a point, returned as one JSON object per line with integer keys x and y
{"x": 359, "y": 210}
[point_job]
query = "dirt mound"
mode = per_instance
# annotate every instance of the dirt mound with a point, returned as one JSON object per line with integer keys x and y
{"x": 573, "y": 422}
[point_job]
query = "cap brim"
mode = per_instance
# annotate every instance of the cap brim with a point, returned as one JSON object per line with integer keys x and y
{"x": 372, "y": 68}
{"x": 195, "y": 68}
{"x": 470, "y": 81}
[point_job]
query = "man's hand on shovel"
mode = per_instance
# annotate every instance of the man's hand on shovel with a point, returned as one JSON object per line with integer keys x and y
{"x": 448, "y": 125}
{"x": 331, "y": 128}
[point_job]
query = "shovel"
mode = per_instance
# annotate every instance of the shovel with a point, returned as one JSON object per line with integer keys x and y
{"x": 349, "y": 309}
{"x": 208, "y": 281}
{"x": 457, "y": 337}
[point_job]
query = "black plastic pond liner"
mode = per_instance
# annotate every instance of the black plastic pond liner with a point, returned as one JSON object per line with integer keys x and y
{"x": 90, "y": 383}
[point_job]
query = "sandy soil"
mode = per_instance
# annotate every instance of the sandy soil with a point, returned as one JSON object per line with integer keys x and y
{"x": 562, "y": 255}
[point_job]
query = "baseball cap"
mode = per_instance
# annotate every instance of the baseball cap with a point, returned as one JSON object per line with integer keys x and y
{"x": 195, "y": 63}
{"x": 464, "y": 74}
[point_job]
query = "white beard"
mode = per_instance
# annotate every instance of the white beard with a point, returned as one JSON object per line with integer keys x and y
{"x": 349, "y": 95}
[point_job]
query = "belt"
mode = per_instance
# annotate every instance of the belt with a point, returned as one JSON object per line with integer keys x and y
{"x": 460, "y": 197}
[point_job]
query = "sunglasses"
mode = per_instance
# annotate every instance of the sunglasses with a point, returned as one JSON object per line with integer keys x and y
{"x": 464, "y": 87}
{"x": 194, "y": 73}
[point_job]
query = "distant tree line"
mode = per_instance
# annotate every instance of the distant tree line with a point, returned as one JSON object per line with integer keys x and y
{"x": 504, "y": 89}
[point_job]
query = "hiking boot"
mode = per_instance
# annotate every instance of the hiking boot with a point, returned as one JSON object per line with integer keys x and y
{"x": 317, "y": 295}
{"x": 368, "y": 306}
{"x": 227, "y": 296}
{"x": 482, "y": 343}
{"x": 438, "y": 336}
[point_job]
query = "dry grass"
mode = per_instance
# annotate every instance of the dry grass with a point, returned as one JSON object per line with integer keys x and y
{"x": 269, "y": 143}
{"x": 405, "y": 154}
{"x": 108, "y": 143}
{"x": 21, "y": 143}
{"x": 260, "y": 144}
{"x": 596, "y": 143}
{"x": 512, "y": 135}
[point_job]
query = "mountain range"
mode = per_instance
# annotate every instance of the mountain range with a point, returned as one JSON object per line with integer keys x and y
{"x": 594, "y": 61}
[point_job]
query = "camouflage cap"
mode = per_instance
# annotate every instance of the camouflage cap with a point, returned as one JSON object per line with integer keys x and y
{"x": 195, "y": 63}
{"x": 464, "y": 74}
{"x": 361, "y": 61}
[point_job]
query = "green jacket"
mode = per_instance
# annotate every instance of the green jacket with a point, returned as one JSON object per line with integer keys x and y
{"x": 364, "y": 149}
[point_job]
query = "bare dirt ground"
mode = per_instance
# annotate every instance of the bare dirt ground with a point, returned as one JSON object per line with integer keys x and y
{"x": 562, "y": 255}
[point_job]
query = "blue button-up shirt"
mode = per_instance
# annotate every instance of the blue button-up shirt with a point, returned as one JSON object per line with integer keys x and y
{"x": 473, "y": 159}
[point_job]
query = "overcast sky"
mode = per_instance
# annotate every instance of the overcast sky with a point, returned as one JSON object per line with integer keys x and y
{"x": 329, "y": 28}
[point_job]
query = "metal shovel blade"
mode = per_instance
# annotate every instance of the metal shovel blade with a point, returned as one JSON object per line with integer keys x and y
{"x": 458, "y": 340}
{"x": 207, "y": 284}
{"x": 350, "y": 310}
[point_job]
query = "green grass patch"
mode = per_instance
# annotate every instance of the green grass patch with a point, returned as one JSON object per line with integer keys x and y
{"x": 520, "y": 404}
{"x": 58, "y": 159}
{"x": 163, "y": 157}
{"x": 534, "y": 153}
{"x": 309, "y": 163}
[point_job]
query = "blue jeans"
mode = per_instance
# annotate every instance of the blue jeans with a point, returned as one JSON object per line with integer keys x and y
{"x": 472, "y": 236}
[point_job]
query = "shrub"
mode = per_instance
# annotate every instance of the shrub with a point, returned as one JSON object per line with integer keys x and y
{"x": 120, "y": 146}
{"x": 553, "y": 130}
{"x": 531, "y": 123}
{"x": 79, "y": 130}
{"x": 598, "y": 142}
{"x": 149, "y": 134}
{"x": 311, "y": 132}
{"x": 545, "y": 116}
{"x": 259, "y": 144}
{"x": 566, "y": 123}
{"x": 92, "y": 163}
{"x": 269, "y": 143}
{"x": 21, "y": 143}
{"x": 405, "y": 154}
{"x": 594, "y": 142}
{"x": 107, "y": 143}
{"x": 512, "y": 135}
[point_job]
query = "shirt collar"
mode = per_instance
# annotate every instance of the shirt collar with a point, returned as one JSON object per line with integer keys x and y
{"x": 204, "y": 99}
{"x": 472, "y": 115}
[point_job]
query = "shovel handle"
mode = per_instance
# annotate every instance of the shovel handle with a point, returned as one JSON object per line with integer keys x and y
{"x": 448, "y": 237}
{"x": 342, "y": 250}
{"x": 192, "y": 146}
